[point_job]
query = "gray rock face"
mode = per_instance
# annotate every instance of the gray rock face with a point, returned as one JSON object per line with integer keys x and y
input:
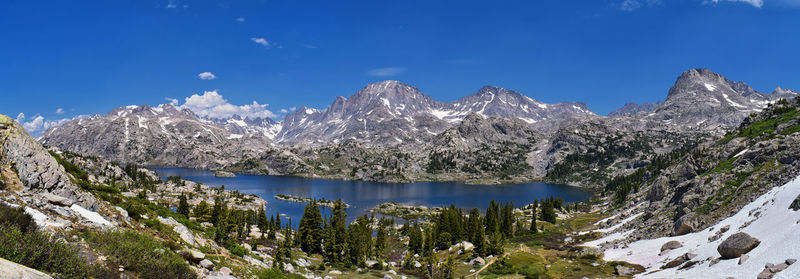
{"x": 391, "y": 113}
{"x": 158, "y": 136}
{"x": 634, "y": 109}
{"x": 477, "y": 261}
{"x": 736, "y": 245}
{"x": 224, "y": 174}
{"x": 702, "y": 96}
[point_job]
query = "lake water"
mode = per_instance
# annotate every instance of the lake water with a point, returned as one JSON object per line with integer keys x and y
{"x": 364, "y": 195}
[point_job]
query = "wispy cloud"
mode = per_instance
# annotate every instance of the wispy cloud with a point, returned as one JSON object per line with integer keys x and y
{"x": 212, "y": 104}
{"x": 385, "y": 72}
{"x": 261, "y": 41}
{"x": 172, "y": 101}
{"x": 60, "y": 111}
{"x": 632, "y": 5}
{"x": 240, "y": 19}
{"x": 206, "y": 76}
{"x": 754, "y": 3}
{"x": 309, "y": 46}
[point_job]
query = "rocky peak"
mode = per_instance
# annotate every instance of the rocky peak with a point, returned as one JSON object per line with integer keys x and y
{"x": 781, "y": 91}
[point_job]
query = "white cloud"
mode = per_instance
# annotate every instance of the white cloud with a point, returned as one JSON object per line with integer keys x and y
{"x": 309, "y": 46}
{"x": 755, "y": 3}
{"x": 206, "y": 76}
{"x": 261, "y": 41}
{"x": 385, "y": 72}
{"x": 293, "y": 109}
{"x": 60, "y": 111}
{"x": 284, "y": 111}
{"x": 211, "y": 104}
{"x": 240, "y": 19}
{"x": 39, "y": 124}
{"x": 172, "y": 101}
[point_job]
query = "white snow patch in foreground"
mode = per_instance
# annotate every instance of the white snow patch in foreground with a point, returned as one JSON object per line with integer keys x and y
{"x": 741, "y": 153}
{"x": 776, "y": 228}
{"x": 235, "y": 136}
{"x": 710, "y": 87}
{"x": 41, "y": 219}
{"x": 90, "y": 215}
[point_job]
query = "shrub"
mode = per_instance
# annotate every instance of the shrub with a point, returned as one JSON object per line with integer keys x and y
{"x": 17, "y": 218}
{"x": 20, "y": 242}
{"x": 141, "y": 254}
{"x": 237, "y": 250}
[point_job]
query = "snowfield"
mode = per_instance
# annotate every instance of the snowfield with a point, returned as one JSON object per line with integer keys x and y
{"x": 776, "y": 227}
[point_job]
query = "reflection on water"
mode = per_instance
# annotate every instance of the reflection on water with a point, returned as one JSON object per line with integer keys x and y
{"x": 365, "y": 195}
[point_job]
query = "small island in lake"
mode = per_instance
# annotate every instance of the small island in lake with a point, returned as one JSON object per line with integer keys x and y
{"x": 224, "y": 174}
{"x": 321, "y": 202}
{"x": 408, "y": 212}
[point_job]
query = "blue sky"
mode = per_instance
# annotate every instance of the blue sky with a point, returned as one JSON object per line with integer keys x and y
{"x": 61, "y": 59}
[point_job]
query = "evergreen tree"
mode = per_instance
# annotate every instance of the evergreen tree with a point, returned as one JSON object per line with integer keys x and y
{"x": 493, "y": 218}
{"x": 219, "y": 211}
{"x": 278, "y": 219}
{"x": 548, "y": 214}
{"x": 380, "y": 240}
{"x": 415, "y": 241}
{"x": 507, "y": 224}
{"x": 263, "y": 223}
{"x": 202, "y": 212}
{"x": 360, "y": 241}
{"x": 310, "y": 230}
{"x": 533, "y": 220}
{"x": 183, "y": 206}
{"x": 336, "y": 240}
{"x": 495, "y": 246}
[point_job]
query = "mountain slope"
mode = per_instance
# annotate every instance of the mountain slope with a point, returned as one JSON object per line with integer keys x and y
{"x": 159, "y": 136}
{"x": 391, "y": 113}
{"x": 700, "y": 95}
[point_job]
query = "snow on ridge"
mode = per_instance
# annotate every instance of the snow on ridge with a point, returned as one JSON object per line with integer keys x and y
{"x": 710, "y": 87}
{"x": 731, "y": 102}
{"x": 776, "y": 227}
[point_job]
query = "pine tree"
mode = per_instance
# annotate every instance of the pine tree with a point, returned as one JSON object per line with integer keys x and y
{"x": 533, "y": 219}
{"x": 183, "y": 206}
{"x": 310, "y": 230}
{"x": 493, "y": 217}
{"x": 263, "y": 223}
{"x": 380, "y": 241}
{"x": 336, "y": 241}
{"x": 415, "y": 241}
{"x": 278, "y": 219}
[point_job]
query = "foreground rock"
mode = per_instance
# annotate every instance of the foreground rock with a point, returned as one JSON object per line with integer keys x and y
{"x": 9, "y": 270}
{"x": 736, "y": 245}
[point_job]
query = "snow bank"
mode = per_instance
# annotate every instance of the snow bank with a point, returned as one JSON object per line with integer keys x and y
{"x": 90, "y": 215}
{"x": 777, "y": 227}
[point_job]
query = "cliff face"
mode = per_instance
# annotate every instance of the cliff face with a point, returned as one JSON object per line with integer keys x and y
{"x": 37, "y": 170}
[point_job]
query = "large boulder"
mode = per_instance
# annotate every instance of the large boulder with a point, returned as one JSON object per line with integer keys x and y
{"x": 624, "y": 270}
{"x": 736, "y": 245}
{"x": 685, "y": 224}
{"x": 674, "y": 244}
{"x": 477, "y": 261}
{"x": 192, "y": 255}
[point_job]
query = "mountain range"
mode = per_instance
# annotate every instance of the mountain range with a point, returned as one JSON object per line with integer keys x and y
{"x": 391, "y": 115}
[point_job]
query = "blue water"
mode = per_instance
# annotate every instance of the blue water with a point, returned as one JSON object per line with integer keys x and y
{"x": 364, "y": 195}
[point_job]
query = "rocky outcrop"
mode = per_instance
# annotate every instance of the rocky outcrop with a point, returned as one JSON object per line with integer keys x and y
{"x": 39, "y": 172}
